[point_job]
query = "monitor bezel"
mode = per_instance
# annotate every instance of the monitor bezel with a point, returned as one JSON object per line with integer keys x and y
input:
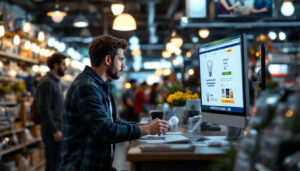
{"x": 244, "y": 75}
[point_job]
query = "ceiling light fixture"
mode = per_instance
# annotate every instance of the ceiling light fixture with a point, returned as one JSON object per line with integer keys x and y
{"x": 166, "y": 54}
{"x": 117, "y": 8}
{"x": 287, "y": 9}
{"x": 124, "y": 22}
{"x": 203, "y": 33}
{"x": 81, "y": 21}
{"x": 56, "y": 15}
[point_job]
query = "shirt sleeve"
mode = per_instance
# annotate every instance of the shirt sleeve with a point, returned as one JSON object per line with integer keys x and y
{"x": 44, "y": 100}
{"x": 94, "y": 114}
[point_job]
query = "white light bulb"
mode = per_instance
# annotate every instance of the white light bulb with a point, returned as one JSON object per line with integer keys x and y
{"x": 272, "y": 35}
{"x": 27, "y": 45}
{"x": 16, "y": 40}
{"x": 204, "y": 33}
{"x": 209, "y": 67}
{"x": 282, "y": 36}
{"x": 41, "y": 36}
{"x": 26, "y": 27}
{"x": 2, "y": 30}
{"x": 287, "y": 8}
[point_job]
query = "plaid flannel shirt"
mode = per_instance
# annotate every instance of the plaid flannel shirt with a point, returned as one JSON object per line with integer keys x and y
{"x": 88, "y": 128}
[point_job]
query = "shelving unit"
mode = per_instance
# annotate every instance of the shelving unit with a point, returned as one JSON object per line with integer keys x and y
{"x": 18, "y": 58}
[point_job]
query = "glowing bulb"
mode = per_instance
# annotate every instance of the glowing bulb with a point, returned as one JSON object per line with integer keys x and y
{"x": 16, "y": 40}
{"x": 188, "y": 54}
{"x": 204, "y": 33}
{"x": 282, "y": 35}
{"x": 26, "y": 27}
{"x": 191, "y": 72}
{"x": 166, "y": 54}
{"x": 2, "y": 30}
{"x": 127, "y": 85}
{"x": 184, "y": 19}
{"x": 177, "y": 51}
{"x": 117, "y": 8}
{"x": 287, "y": 8}
{"x": 272, "y": 35}
{"x": 41, "y": 36}
{"x": 35, "y": 68}
{"x": 170, "y": 47}
{"x": 27, "y": 45}
{"x": 209, "y": 67}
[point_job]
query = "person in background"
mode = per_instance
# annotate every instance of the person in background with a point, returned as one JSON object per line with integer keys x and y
{"x": 50, "y": 107}
{"x": 226, "y": 7}
{"x": 128, "y": 101}
{"x": 141, "y": 103}
{"x": 262, "y": 8}
{"x": 90, "y": 126}
{"x": 155, "y": 89}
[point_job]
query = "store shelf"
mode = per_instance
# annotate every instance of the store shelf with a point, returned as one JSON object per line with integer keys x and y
{"x": 10, "y": 132}
{"x": 8, "y": 79}
{"x": 20, "y": 146}
{"x": 38, "y": 165}
{"x": 8, "y": 103}
{"x": 17, "y": 57}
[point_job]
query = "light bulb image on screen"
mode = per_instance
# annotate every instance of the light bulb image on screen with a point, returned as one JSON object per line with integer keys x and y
{"x": 209, "y": 67}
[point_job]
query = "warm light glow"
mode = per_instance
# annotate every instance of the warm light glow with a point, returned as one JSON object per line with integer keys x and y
{"x": 57, "y": 16}
{"x": 2, "y": 30}
{"x": 170, "y": 47}
{"x": 26, "y": 27}
{"x": 191, "y": 72}
{"x": 272, "y": 35}
{"x": 177, "y": 51}
{"x": 124, "y": 22}
{"x": 167, "y": 72}
{"x": 81, "y": 21}
{"x": 136, "y": 52}
{"x": 27, "y": 45}
{"x": 184, "y": 19}
{"x": 203, "y": 33}
{"x": 16, "y": 40}
{"x": 188, "y": 54}
{"x": 41, "y": 36}
{"x": 287, "y": 9}
{"x": 117, "y": 8}
{"x": 47, "y": 52}
{"x": 127, "y": 85}
{"x": 166, "y": 54}
{"x": 12, "y": 73}
{"x": 44, "y": 68}
{"x": 35, "y": 68}
{"x": 177, "y": 41}
{"x": 282, "y": 36}
{"x": 68, "y": 61}
{"x": 289, "y": 113}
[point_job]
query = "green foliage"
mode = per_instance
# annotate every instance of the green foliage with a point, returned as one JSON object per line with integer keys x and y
{"x": 18, "y": 87}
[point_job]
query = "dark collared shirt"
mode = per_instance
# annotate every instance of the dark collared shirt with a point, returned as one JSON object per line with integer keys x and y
{"x": 89, "y": 129}
{"x": 50, "y": 103}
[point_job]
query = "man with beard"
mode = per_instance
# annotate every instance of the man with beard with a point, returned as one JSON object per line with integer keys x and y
{"x": 90, "y": 126}
{"x": 49, "y": 99}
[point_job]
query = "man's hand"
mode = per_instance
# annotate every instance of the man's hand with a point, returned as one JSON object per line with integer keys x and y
{"x": 153, "y": 127}
{"x": 57, "y": 136}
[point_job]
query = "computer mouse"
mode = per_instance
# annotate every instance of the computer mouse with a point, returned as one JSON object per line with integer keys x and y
{"x": 202, "y": 139}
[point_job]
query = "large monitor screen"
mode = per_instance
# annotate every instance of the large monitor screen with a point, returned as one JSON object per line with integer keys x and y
{"x": 243, "y": 8}
{"x": 223, "y": 77}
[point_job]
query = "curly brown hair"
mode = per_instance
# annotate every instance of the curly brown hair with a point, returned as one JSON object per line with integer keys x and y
{"x": 105, "y": 45}
{"x": 56, "y": 58}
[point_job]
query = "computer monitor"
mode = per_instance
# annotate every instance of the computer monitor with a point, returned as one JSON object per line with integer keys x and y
{"x": 224, "y": 81}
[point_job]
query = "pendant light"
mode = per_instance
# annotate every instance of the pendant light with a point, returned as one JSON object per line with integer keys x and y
{"x": 81, "y": 21}
{"x": 57, "y": 15}
{"x": 124, "y": 22}
{"x": 117, "y": 8}
{"x": 16, "y": 40}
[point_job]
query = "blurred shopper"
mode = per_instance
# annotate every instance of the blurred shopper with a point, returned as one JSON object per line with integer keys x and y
{"x": 90, "y": 125}
{"x": 141, "y": 103}
{"x": 226, "y": 7}
{"x": 262, "y": 7}
{"x": 128, "y": 101}
{"x": 49, "y": 98}
{"x": 155, "y": 89}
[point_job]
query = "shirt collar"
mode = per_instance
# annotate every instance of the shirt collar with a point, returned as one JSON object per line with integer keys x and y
{"x": 91, "y": 72}
{"x": 52, "y": 76}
